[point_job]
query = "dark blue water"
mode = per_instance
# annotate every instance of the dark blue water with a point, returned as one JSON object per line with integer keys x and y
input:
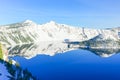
{"x": 73, "y": 65}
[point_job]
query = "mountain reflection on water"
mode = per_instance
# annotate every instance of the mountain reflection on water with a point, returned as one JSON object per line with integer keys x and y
{"x": 103, "y": 52}
{"x": 72, "y": 64}
{"x": 51, "y": 48}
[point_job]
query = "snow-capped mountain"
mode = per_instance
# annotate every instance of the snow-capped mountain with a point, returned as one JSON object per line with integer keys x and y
{"x": 17, "y": 35}
{"x": 29, "y": 32}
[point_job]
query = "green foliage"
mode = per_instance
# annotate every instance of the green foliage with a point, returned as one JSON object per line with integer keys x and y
{"x": 1, "y": 53}
{"x": 10, "y": 62}
{"x": 17, "y": 64}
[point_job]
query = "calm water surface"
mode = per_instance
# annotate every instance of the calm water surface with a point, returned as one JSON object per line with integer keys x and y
{"x": 73, "y": 65}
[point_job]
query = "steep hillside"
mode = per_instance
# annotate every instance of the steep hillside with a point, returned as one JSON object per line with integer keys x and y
{"x": 10, "y": 69}
{"x": 1, "y": 53}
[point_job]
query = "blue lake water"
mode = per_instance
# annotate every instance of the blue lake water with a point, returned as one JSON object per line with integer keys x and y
{"x": 73, "y": 65}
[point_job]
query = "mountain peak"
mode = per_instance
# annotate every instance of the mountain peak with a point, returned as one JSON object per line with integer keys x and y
{"x": 28, "y": 21}
{"x": 52, "y": 22}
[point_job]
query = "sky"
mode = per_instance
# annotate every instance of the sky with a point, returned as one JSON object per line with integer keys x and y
{"x": 83, "y": 13}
